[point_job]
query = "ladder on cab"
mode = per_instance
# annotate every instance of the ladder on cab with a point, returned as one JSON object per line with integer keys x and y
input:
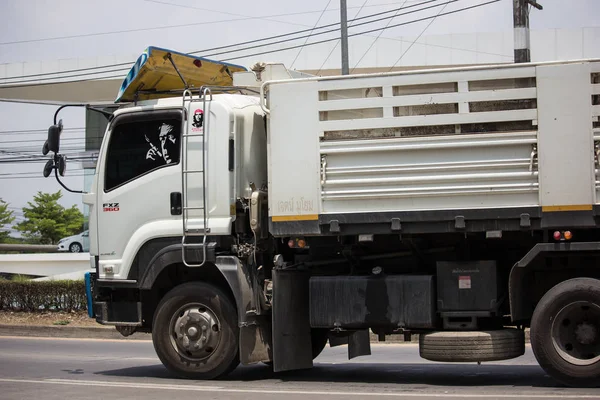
{"x": 191, "y": 235}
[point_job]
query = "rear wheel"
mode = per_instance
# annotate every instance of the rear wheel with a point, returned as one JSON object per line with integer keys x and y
{"x": 565, "y": 332}
{"x": 195, "y": 331}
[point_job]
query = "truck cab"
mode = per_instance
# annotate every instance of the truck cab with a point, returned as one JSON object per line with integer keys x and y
{"x": 138, "y": 186}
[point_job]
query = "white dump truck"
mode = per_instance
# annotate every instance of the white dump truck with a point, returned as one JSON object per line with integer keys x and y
{"x": 257, "y": 215}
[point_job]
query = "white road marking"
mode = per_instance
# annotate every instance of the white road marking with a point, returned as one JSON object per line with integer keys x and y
{"x": 38, "y": 338}
{"x": 192, "y": 388}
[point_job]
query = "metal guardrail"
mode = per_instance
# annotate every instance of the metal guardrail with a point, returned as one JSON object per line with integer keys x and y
{"x": 32, "y": 248}
{"x": 44, "y": 264}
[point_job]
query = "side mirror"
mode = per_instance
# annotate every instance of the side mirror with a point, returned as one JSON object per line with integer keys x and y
{"x": 62, "y": 165}
{"x": 53, "y": 142}
{"x": 48, "y": 168}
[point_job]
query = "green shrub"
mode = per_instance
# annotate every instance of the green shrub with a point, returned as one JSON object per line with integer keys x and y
{"x": 25, "y": 295}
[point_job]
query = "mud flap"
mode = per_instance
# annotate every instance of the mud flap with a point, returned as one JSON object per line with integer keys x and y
{"x": 255, "y": 341}
{"x": 359, "y": 344}
{"x": 292, "y": 345}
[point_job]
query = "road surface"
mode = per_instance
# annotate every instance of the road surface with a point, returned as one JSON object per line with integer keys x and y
{"x": 47, "y": 369}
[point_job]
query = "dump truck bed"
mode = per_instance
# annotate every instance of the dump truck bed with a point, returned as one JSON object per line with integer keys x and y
{"x": 502, "y": 147}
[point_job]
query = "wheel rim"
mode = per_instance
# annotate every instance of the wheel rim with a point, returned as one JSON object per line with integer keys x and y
{"x": 75, "y": 248}
{"x": 195, "y": 332}
{"x": 576, "y": 333}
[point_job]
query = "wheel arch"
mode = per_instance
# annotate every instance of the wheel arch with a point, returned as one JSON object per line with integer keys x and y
{"x": 166, "y": 270}
{"x": 543, "y": 267}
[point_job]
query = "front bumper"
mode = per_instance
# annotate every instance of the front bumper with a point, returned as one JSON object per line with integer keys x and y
{"x": 110, "y": 306}
{"x": 90, "y": 279}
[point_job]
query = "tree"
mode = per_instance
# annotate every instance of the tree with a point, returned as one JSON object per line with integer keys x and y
{"x": 6, "y": 217}
{"x": 46, "y": 221}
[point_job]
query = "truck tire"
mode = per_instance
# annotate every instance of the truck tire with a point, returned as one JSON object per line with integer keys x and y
{"x": 497, "y": 345}
{"x": 565, "y": 332}
{"x": 195, "y": 332}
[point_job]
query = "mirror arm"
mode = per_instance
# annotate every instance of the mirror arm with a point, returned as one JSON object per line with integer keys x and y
{"x": 105, "y": 113}
{"x": 64, "y": 106}
{"x": 87, "y": 106}
{"x": 63, "y": 185}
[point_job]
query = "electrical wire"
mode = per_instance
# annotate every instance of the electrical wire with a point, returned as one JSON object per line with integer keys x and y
{"x": 309, "y": 35}
{"x": 36, "y": 173}
{"x": 37, "y": 140}
{"x": 204, "y": 23}
{"x": 369, "y": 31}
{"x": 272, "y": 43}
{"x": 374, "y": 41}
{"x": 73, "y": 76}
{"x": 338, "y": 42}
{"x": 417, "y": 38}
{"x": 336, "y": 29}
{"x": 32, "y": 131}
{"x": 294, "y": 47}
{"x": 43, "y": 177}
{"x": 226, "y": 46}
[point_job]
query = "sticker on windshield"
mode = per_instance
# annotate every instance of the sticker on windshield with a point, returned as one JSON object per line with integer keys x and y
{"x": 109, "y": 207}
{"x": 167, "y": 142}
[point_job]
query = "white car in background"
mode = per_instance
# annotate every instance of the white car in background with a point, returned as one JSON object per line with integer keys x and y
{"x": 76, "y": 243}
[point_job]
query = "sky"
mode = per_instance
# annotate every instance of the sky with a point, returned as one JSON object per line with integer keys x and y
{"x": 42, "y": 30}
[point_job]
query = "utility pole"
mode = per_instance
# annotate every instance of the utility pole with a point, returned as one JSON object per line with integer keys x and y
{"x": 521, "y": 29}
{"x": 344, "y": 39}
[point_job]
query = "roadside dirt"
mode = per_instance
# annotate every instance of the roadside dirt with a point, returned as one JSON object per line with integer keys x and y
{"x": 79, "y": 318}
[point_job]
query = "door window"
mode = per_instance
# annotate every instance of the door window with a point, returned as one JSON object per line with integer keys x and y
{"x": 139, "y": 147}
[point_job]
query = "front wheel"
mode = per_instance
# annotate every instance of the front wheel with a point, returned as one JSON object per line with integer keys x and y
{"x": 565, "y": 332}
{"x": 75, "y": 248}
{"x": 195, "y": 332}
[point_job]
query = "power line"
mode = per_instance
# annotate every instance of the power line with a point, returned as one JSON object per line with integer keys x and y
{"x": 310, "y": 34}
{"x": 236, "y": 44}
{"x": 57, "y": 83}
{"x": 369, "y": 31}
{"x": 298, "y": 46}
{"x": 34, "y": 173}
{"x": 129, "y": 63}
{"x": 333, "y": 30}
{"x": 338, "y": 42}
{"x": 41, "y": 161}
{"x": 26, "y": 131}
{"x": 278, "y": 15}
{"x": 284, "y": 41}
{"x": 42, "y": 177}
{"x": 417, "y": 38}
{"x": 375, "y": 40}
{"x": 204, "y": 23}
{"x": 40, "y": 141}
{"x": 244, "y": 18}
{"x": 73, "y": 76}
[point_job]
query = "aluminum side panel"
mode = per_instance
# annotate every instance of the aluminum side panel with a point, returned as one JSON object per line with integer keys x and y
{"x": 293, "y": 145}
{"x": 566, "y": 159}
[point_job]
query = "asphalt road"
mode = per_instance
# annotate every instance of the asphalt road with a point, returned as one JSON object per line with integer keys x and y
{"x": 47, "y": 369}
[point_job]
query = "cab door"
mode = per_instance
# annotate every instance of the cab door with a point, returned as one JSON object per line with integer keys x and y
{"x": 139, "y": 184}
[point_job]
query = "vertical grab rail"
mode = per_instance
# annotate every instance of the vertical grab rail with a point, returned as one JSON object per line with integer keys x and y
{"x": 186, "y": 208}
